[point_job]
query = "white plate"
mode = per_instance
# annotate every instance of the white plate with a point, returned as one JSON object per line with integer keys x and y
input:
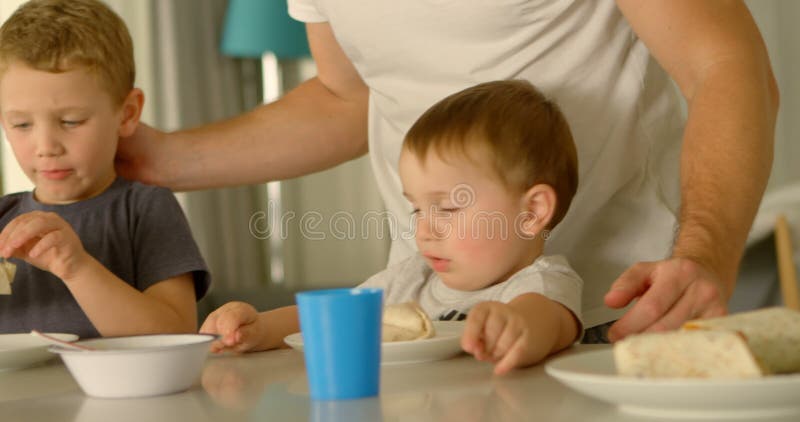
{"x": 445, "y": 344}
{"x": 21, "y": 350}
{"x": 594, "y": 374}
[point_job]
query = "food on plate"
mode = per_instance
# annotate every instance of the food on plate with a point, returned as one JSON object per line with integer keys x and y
{"x": 406, "y": 321}
{"x": 745, "y": 345}
{"x": 686, "y": 354}
{"x": 7, "y": 271}
{"x": 773, "y": 335}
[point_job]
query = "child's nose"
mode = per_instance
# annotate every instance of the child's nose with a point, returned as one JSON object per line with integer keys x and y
{"x": 47, "y": 143}
{"x": 426, "y": 227}
{"x": 423, "y": 229}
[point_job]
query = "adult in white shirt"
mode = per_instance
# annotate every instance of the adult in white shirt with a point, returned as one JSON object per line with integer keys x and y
{"x": 664, "y": 205}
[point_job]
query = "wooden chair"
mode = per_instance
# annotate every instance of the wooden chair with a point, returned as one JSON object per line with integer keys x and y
{"x": 787, "y": 273}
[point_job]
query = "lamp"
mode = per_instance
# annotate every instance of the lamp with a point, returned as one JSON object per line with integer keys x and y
{"x": 263, "y": 29}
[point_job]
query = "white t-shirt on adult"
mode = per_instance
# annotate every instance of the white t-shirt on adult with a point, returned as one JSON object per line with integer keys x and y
{"x": 623, "y": 110}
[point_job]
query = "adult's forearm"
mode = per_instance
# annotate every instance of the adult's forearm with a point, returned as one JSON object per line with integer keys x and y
{"x": 725, "y": 163}
{"x": 308, "y": 130}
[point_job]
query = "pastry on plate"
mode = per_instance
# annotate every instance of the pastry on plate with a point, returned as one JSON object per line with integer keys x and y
{"x": 745, "y": 345}
{"x": 7, "y": 271}
{"x": 406, "y": 321}
{"x": 772, "y": 334}
{"x": 686, "y": 354}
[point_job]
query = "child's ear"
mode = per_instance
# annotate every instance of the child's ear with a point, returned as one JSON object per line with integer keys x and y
{"x": 131, "y": 112}
{"x": 539, "y": 204}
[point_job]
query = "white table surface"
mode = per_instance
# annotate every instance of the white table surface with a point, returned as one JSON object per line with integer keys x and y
{"x": 271, "y": 386}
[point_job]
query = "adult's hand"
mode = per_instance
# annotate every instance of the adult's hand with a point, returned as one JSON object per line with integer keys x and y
{"x": 667, "y": 293}
{"x": 139, "y": 155}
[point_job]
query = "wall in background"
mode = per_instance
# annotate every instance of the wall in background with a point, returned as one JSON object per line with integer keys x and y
{"x": 777, "y": 20}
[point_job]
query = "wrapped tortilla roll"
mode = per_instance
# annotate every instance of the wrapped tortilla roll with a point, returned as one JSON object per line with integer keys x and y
{"x": 686, "y": 354}
{"x": 772, "y": 334}
{"x": 406, "y": 321}
{"x": 7, "y": 272}
{"x": 748, "y": 344}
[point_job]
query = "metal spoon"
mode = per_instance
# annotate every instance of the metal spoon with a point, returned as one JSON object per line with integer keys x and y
{"x": 59, "y": 342}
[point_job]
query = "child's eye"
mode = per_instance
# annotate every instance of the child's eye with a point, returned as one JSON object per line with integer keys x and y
{"x": 21, "y": 125}
{"x": 447, "y": 211}
{"x": 71, "y": 123}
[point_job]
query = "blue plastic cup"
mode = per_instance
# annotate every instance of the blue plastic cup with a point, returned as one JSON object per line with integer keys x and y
{"x": 367, "y": 409}
{"x": 341, "y": 331}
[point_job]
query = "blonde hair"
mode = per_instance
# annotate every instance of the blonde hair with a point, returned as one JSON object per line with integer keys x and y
{"x": 60, "y": 35}
{"x": 526, "y": 135}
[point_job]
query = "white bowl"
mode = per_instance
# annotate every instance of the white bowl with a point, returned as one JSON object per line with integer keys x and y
{"x": 137, "y": 366}
{"x": 23, "y": 350}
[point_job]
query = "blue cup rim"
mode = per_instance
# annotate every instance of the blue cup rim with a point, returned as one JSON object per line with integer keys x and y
{"x": 355, "y": 291}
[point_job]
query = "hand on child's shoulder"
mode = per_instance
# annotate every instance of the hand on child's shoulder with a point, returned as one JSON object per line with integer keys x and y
{"x": 235, "y": 323}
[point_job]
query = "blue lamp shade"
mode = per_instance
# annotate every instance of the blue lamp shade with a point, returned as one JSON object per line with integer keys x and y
{"x": 253, "y": 27}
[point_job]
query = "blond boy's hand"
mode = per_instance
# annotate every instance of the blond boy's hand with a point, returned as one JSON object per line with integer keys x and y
{"x": 495, "y": 332}
{"x": 46, "y": 241}
{"x": 236, "y": 323}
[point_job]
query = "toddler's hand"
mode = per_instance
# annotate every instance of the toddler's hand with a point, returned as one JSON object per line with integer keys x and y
{"x": 236, "y": 323}
{"x": 495, "y": 332}
{"x": 46, "y": 241}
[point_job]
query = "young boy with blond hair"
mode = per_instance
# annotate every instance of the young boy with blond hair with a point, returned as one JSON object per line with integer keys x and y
{"x": 96, "y": 255}
{"x": 488, "y": 172}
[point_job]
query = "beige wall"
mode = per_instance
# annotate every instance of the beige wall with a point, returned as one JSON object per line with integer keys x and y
{"x": 777, "y": 20}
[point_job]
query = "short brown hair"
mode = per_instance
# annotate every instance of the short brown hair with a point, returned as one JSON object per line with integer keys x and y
{"x": 59, "y": 35}
{"x": 526, "y": 134}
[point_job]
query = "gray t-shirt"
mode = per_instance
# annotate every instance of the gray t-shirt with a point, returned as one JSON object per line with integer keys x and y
{"x": 412, "y": 279}
{"x": 137, "y": 231}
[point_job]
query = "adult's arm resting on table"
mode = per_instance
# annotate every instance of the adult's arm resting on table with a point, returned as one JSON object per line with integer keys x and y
{"x": 319, "y": 124}
{"x": 714, "y": 52}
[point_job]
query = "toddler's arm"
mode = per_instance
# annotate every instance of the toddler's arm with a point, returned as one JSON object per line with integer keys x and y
{"x": 243, "y": 329}
{"x": 48, "y": 242}
{"x": 519, "y": 333}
